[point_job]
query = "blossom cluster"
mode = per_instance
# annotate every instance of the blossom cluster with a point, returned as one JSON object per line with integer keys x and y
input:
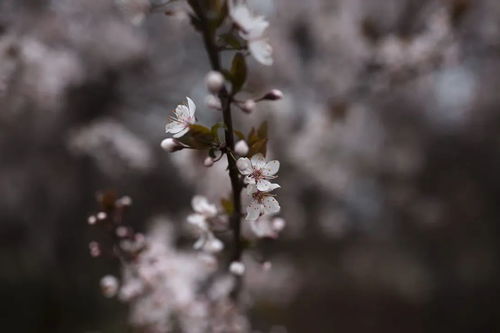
{"x": 161, "y": 282}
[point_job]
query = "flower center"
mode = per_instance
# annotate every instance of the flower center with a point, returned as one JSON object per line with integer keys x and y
{"x": 259, "y": 196}
{"x": 257, "y": 174}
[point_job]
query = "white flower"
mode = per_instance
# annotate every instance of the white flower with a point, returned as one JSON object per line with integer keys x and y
{"x": 252, "y": 29}
{"x": 241, "y": 148}
{"x": 267, "y": 227}
{"x": 182, "y": 118}
{"x": 261, "y": 203}
{"x": 109, "y": 285}
{"x": 237, "y": 268}
{"x": 204, "y": 211}
{"x": 258, "y": 171}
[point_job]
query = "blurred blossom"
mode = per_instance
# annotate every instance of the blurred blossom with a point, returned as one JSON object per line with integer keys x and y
{"x": 112, "y": 146}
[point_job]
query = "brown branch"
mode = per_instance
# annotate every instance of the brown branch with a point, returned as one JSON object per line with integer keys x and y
{"x": 226, "y": 101}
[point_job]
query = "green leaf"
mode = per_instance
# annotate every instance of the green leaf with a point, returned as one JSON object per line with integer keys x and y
{"x": 199, "y": 137}
{"x": 252, "y": 137}
{"x": 262, "y": 131}
{"x": 260, "y": 146}
{"x": 227, "y": 205}
{"x": 229, "y": 40}
{"x": 215, "y": 128}
{"x": 239, "y": 134}
{"x": 238, "y": 72}
{"x": 221, "y": 10}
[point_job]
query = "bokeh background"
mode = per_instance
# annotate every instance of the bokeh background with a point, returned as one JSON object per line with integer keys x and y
{"x": 388, "y": 137}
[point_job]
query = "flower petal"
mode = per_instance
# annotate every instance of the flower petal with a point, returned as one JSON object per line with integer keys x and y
{"x": 182, "y": 112}
{"x": 200, "y": 242}
{"x": 191, "y": 107}
{"x": 271, "y": 168}
{"x": 262, "y": 51}
{"x": 201, "y": 205}
{"x": 258, "y": 161}
{"x": 244, "y": 166}
{"x": 213, "y": 244}
{"x": 174, "y": 127}
{"x": 263, "y": 185}
{"x": 249, "y": 180}
{"x": 273, "y": 187}
{"x": 253, "y": 210}
{"x": 262, "y": 228}
{"x": 198, "y": 221}
{"x": 181, "y": 132}
{"x": 271, "y": 205}
{"x": 251, "y": 189}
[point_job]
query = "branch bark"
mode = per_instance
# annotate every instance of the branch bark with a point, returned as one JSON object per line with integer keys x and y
{"x": 226, "y": 100}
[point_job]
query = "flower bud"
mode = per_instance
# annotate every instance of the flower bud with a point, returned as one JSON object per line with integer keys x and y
{"x": 95, "y": 249}
{"x": 121, "y": 231}
{"x": 237, "y": 268}
{"x": 92, "y": 220}
{"x": 278, "y": 224}
{"x": 213, "y": 102}
{"x": 170, "y": 145}
{"x": 214, "y": 81}
{"x": 124, "y": 201}
{"x": 109, "y": 286}
{"x": 273, "y": 95}
{"x": 102, "y": 216}
{"x": 248, "y": 106}
{"x": 241, "y": 148}
{"x": 266, "y": 266}
{"x": 243, "y": 164}
{"x": 208, "y": 162}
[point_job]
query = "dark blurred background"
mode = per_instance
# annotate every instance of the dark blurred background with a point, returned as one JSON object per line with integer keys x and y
{"x": 388, "y": 139}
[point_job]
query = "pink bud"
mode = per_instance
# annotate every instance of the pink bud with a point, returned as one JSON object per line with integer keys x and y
{"x": 109, "y": 286}
{"x": 248, "y": 106}
{"x": 95, "y": 249}
{"x": 102, "y": 216}
{"x": 92, "y": 220}
{"x": 273, "y": 95}
{"x": 121, "y": 231}
{"x": 208, "y": 162}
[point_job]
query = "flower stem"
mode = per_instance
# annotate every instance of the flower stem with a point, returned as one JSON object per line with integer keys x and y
{"x": 226, "y": 101}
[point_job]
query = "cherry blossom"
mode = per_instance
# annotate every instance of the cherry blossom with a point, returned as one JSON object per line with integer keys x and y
{"x": 109, "y": 285}
{"x": 204, "y": 211}
{"x": 237, "y": 268}
{"x": 267, "y": 227}
{"x": 181, "y": 120}
{"x": 261, "y": 203}
{"x": 252, "y": 29}
{"x": 257, "y": 171}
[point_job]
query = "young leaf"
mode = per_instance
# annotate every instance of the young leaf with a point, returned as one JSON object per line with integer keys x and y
{"x": 199, "y": 137}
{"x": 262, "y": 131}
{"x": 227, "y": 205}
{"x": 239, "y": 134}
{"x": 238, "y": 72}
{"x": 260, "y": 146}
{"x": 215, "y": 130}
{"x": 229, "y": 40}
